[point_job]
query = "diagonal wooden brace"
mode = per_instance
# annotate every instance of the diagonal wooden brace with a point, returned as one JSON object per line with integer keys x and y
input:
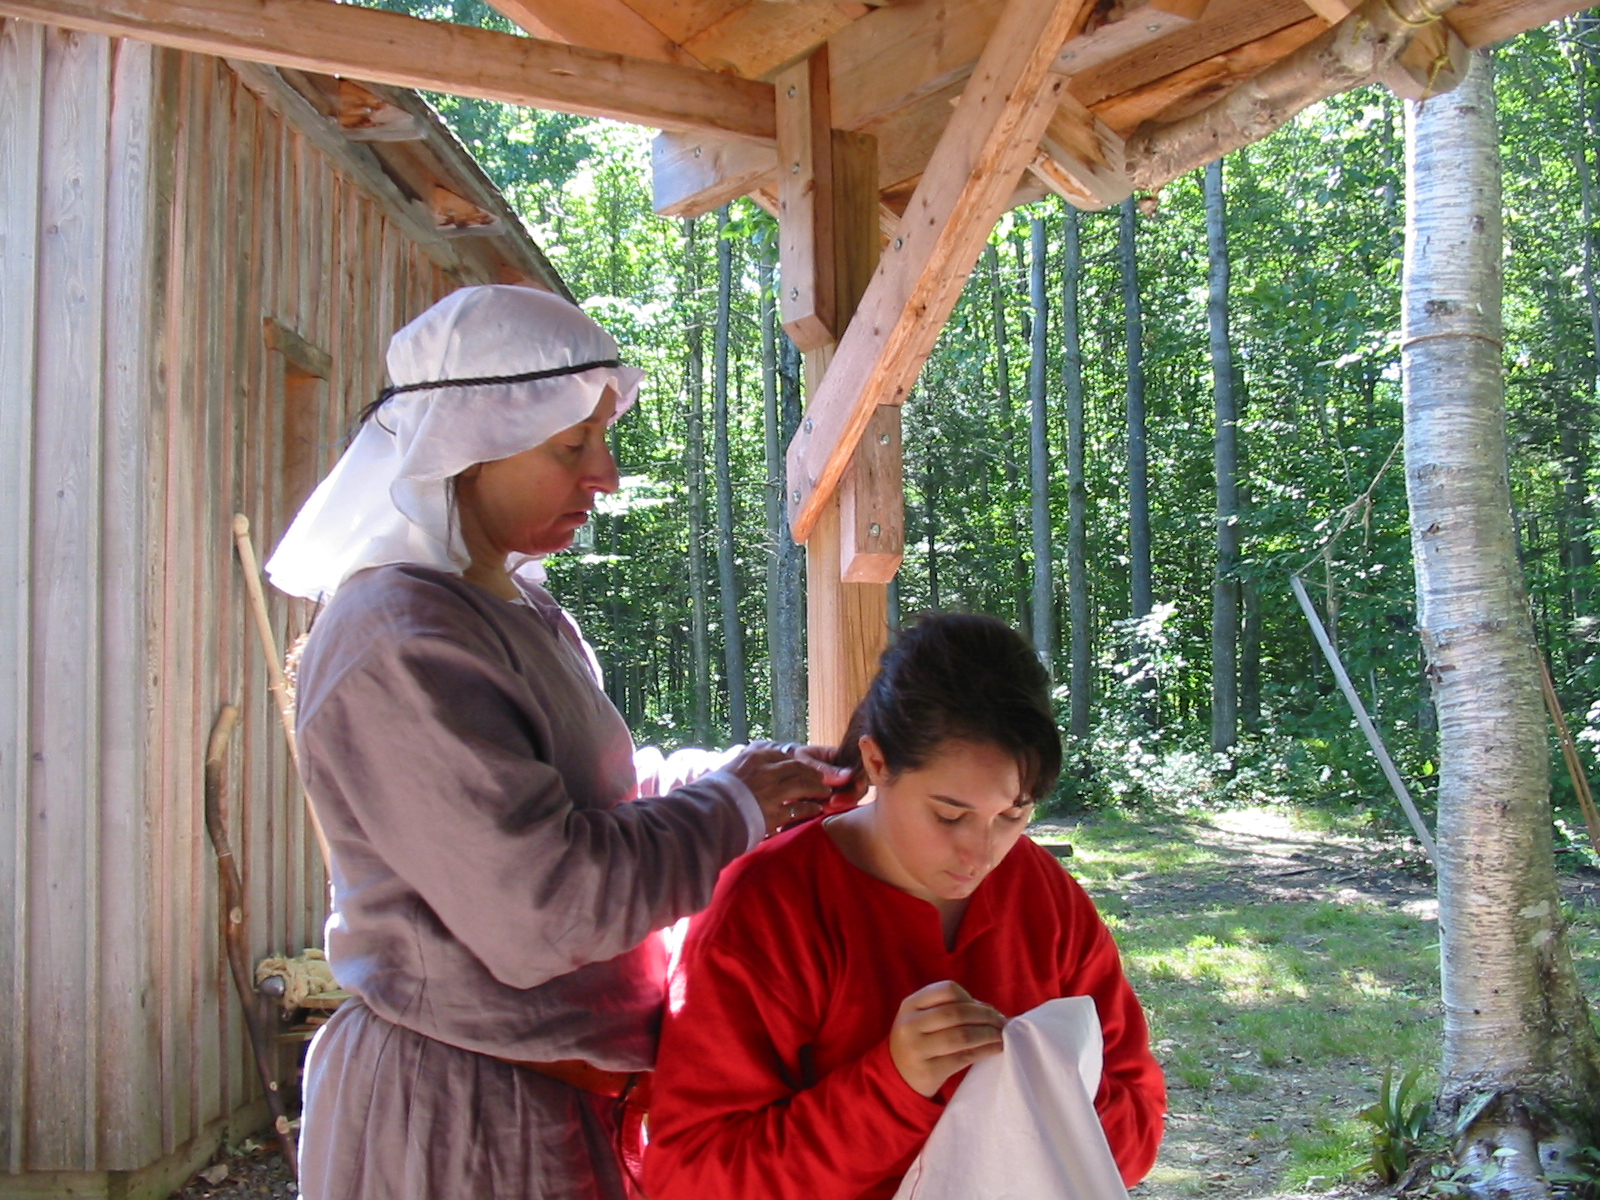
{"x": 989, "y": 142}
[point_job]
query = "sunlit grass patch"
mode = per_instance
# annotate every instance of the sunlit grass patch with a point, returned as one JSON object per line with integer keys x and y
{"x": 1330, "y": 1151}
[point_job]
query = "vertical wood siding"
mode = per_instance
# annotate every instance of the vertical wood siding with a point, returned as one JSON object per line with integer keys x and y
{"x": 153, "y": 214}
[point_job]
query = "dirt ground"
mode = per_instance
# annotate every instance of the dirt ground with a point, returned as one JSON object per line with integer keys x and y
{"x": 1214, "y": 1145}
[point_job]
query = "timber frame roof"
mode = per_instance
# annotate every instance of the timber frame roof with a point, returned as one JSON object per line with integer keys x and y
{"x": 1090, "y": 99}
{"x": 887, "y": 135}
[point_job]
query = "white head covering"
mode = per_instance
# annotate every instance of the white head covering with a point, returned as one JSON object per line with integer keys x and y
{"x": 502, "y": 357}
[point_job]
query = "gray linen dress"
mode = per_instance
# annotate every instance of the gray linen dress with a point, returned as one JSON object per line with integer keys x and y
{"x": 493, "y": 894}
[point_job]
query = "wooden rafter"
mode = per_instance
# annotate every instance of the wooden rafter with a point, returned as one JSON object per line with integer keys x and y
{"x": 386, "y": 47}
{"x": 1080, "y": 158}
{"x": 599, "y": 24}
{"x": 988, "y": 143}
{"x": 1200, "y": 84}
{"x": 1356, "y": 50}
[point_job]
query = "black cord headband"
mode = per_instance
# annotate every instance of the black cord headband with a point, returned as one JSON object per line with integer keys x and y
{"x": 481, "y": 381}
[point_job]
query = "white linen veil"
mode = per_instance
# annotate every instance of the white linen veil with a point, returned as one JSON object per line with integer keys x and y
{"x": 389, "y": 498}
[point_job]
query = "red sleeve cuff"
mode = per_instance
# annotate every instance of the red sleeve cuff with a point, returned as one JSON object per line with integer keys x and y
{"x": 916, "y": 1113}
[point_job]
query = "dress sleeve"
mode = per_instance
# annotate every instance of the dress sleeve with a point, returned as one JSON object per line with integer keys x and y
{"x": 1133, "y": 1094}
{"x": 731, "y": 1116}
{"x": 433, "y": 752}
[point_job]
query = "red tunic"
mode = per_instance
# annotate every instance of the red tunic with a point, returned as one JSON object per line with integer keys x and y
{"x": 774, "y": 1078}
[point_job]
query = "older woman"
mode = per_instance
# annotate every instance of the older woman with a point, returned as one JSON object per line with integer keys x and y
{"x": 496, "y": 883}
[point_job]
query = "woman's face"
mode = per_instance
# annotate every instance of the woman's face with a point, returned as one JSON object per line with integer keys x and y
{"x": 941, "y": 828}
{"x": 535, "y": 501}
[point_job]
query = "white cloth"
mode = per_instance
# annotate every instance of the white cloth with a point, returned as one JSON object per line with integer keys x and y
{"x": 1022, "y": 1125}
{"x": 389, "y": 498}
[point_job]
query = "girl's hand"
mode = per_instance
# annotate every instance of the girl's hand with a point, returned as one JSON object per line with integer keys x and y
{"x": 788, "y": 782}
{"x": 938, "y": 1031}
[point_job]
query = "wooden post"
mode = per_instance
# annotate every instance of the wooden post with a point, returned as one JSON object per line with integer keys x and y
{"x": 828, "y": 190}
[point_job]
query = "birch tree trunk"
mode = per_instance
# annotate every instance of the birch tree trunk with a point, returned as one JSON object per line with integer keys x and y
{"x": 727, "y": 580}
{"x": 1521, "y": 1069}
{"x": 1044, "y": 584}
{"x": 1081, "y": 682}
{"x": 699, "y": 601}
{"x": 1225, "y": 585}
{"x": 787, "y": 679}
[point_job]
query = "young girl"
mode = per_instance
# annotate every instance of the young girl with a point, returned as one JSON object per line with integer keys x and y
{"x": 850, "y": 969}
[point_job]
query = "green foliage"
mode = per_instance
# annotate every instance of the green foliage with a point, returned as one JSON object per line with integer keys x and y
{"x": 1315, "y": 223}
{"x": 1399, "y": 1124}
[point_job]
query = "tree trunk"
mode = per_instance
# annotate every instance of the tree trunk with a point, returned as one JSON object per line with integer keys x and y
{"x": 1044, "y": 586}
{"x": 1081, "y": 682}
{"x": 791, "y": 717}
{"x": 1225, "y": 586}
{"x": 732, "y": 627}
{"x": 1008, "y": 424}
{"x": 787, "y": 670}
{"x": 1249, "y": 651}
{"x": 930, "y": 516}
{"x": 699, "y": 600}
{"x": 1521, "y": 1069}
{"x": 1138, "y": 453}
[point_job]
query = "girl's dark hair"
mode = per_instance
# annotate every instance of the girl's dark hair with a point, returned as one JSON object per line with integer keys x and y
{"x": 966, "y": 677}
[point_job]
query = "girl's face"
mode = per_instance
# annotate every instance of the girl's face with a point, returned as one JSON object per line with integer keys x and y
{"x": 535, "y": 501}
{"x": 940, "y": 829}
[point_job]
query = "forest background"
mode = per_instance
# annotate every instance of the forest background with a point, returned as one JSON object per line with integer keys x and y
{"x": 693, "y": 596}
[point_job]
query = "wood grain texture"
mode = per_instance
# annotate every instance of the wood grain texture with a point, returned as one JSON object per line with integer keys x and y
{"x": 385, "y": 47}
{"x": 872, "y": 509}
{"x": 64, "y": 734}
{"x": 807, "y": 301}
{"x": 599, "y": 24}
{"x": 1225, "y": 25}
{"x": 985, "y": 148}
{"x": 1484, "y": 22}
{"x": 22, "y": 98}
{"x": 1205, "y": 82}
{"x": 129, "y": 1065}
{"x": 167, "y": 212}
{"x": 761, "y": 36}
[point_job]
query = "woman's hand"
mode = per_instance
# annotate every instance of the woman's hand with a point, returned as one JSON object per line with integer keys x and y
{"x": 789, "y": 782}
{"x": 938, "y": 1031}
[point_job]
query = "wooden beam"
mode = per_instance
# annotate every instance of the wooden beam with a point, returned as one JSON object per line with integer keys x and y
{"x": 847, "y": 623}
{"x": 1228, "y": 24}
{"x": 899, "y": 54}
{"x": 1124, "y": 28}
{"x": 872, "y": 509}
{"x": 989, "y": 141}
{"x": 1331, "y": 11}
{"x": 695, "y": 173}
{"x": 1351, "y": 53}
{"x": 692, "y": 174}
{"x": 806, "y": 253}
{"x": 385, "y": 47}
{"x": 1081, "y": 160}
{"x": 599, "y": 24}
{"x": 758, "y": 38}
{"x": 1203, "y": 83}
{"x": 1484, "y": 22}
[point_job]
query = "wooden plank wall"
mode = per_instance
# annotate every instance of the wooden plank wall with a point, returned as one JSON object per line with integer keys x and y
{"x": 153, "y": 214}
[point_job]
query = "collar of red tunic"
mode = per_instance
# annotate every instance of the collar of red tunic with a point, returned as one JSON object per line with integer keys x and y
{"x": 981, "y": 913}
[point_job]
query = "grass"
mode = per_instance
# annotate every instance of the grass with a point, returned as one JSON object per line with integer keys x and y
{"x": 1296, "y": 1006}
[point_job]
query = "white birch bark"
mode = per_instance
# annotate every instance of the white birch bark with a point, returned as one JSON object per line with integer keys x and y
{"x": 1521, "y": 1067}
